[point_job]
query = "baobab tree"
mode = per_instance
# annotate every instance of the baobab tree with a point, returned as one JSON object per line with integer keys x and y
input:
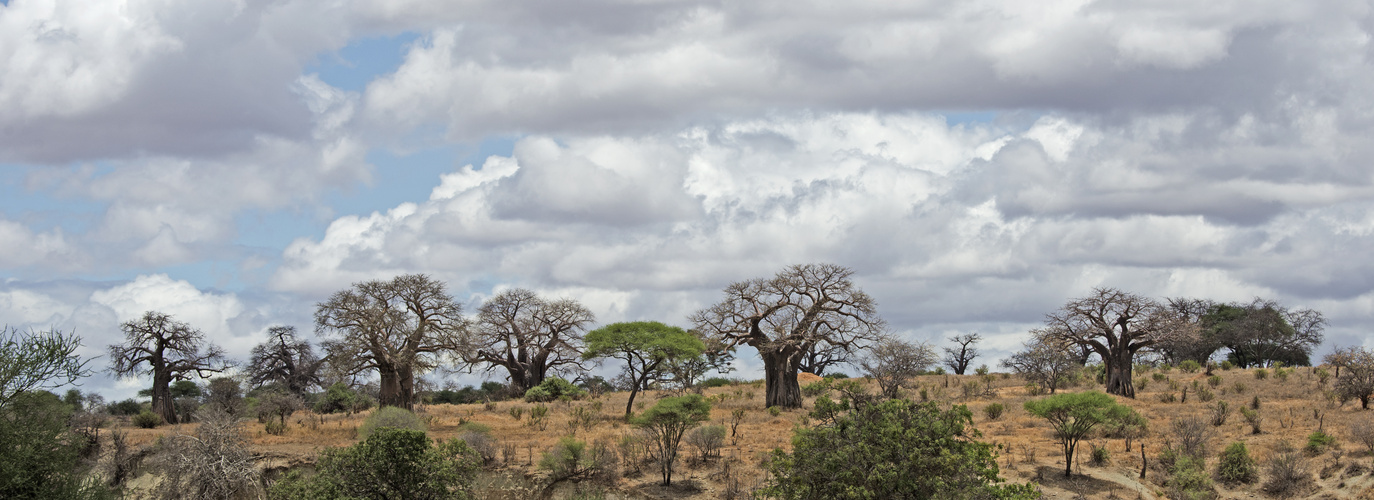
{"x": 959, "y": 357}
{"x": 285, "y": 359}
{"x": 785, "y": 316}
{"x": 167, "y": 349}
{"x": 1115, "y": 325}
{"x": 399, "y": 328}
{"x": 529, "y": 336}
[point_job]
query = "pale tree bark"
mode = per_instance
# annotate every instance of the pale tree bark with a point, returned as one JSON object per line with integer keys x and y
{"x": 529, "y": 336}
{"x": 1115, "y": 325}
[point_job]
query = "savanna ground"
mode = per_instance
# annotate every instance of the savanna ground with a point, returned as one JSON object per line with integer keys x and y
{"x": 1292, "y": 407}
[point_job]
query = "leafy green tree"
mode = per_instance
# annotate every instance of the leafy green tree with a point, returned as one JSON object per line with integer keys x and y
{"x": 389, "y": 464}
{"x": 31, "y": 361}
{"x": 647, "y": 347}
{"x": 667, "y": 421}
{"x": 1075, "y": 415}
{"x": 874, "y": 451}
{"x": 39, "y": 453}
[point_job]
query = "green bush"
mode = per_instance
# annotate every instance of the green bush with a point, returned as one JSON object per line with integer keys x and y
{"x": 714, "y": 382}
{"x": 342, "y": 398}
{"x": 391, "y": 417}
{"x": 40, "y": 457}
{"x": 994, "y": 411}
{"x": 126, "y": 407}
{"x": 1189, "y": 366}
{"x": 1236, "y": 466}
{"x": 666, "y": 422}
{"x": 1261, "y": 374}
{"x": 1158, "y": 377}
{"x": 390, "y": 463}
{"x": 551, "y": 389}
{"x": 707, "y": 440}
{"x": 1227, "y": 365}
{"x": 1214, "y": 380}
{"x": 1188, "y": 479}
{"x": 1100, "y": 455}
{"x": 873, "y": 451}
{"x": 774, "y": 411}
{"x": 817, "y": 388}
{"x": 1318, "y": 441}
{"x": 147, "y": 419}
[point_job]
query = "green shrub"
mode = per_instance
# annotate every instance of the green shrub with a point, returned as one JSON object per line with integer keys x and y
{"x": 147, "y": 419}
{"x": 1158, "y": 377}
{"x": 1318, "y": 441}
{"x": 1205, "y": 395}
{"x": 1253, "y": 418}
{"x": 817, "y": 388}
{"x": 1141, "y": 383}
{"x": 391, "y": 417}
{"x": 714, "y": 382}
{"x": 774, "y": 411}
{"x": 275, "y": 427}
{"x": 1227, "y": 365}
{"x": 836, "y": 376}
{"x": 390, "y": 463}
{"x": 342, "y": 398}
{"x": 125, "y": 407}
{"x": 873, "y": 451}
{"x": 1236, "y": 466}
{"x": 1214, "y": 380}
{"x": 707, "y": 440}
{"x": 1261, "y": 374}
{"x": 1189, "y": 366}
{"x": 1188, "y": 479}
{"x": 1100, "y": 455}
{"x": 994, "y": 411}
{"x": 553, "y": 388}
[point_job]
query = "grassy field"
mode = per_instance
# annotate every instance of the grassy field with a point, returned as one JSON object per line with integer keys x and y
{"x": 1292, "y": 406}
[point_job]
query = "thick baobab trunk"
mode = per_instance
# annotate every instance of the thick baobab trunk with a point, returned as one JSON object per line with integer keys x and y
{"x": 1118, "y": 366}
{"x": 391, "y": 393}
{"x": 780, "y": 376}
{"x": 162, "y": 397}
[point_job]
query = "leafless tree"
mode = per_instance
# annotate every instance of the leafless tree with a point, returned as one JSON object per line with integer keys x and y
{"x": 399, "y": 327}
{"x": 893, "y": 362}
{"x": 959, "y": 358}
{"x": 529, "y": 336}
{"x": 821, "y": 356}
{"x": 1115, "y": 325}
{"x": 168, "y": 350}
{"x": 213, "y": 463}
{"x": 1198, "y": 343}
{"x": 285, "y": 359}
{"x": 785, "y": 316}
{"x": 1356, "y": 381}
{"x": 1043, "y": 363}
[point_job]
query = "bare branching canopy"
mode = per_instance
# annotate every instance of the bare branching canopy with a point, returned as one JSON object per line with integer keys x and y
{"x": 1042, "y": 363}
{"x": 893, "y": 362}
{"x": 965, "y": 349}
{"x": 284, "y": 359}
{"x": 399, "y": 327}
{"x": 529, "y": 336}
{"x": 788, "y": 315}
{"x": 1115, "y": 325}
{"x": 167, "y": 349}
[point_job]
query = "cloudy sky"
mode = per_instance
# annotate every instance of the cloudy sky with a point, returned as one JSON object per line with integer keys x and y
{"x": 976, "y": 163}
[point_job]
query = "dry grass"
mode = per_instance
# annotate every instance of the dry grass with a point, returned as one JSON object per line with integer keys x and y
{"x": 1292, "y": 409}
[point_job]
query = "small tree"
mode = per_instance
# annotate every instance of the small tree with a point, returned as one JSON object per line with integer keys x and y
{"x": 1042, "y": 363}
{"x": 715, "y": 357}
{"x": 647, "y": 348}
{"x": 168, "y": 350}
{"x": 1356, "y": 368}
{"x": 892, "y": 362}
{"x": 667, "y": 421}
{"x": 961, "y": 355}
{"x": 894, "y": 449}
{"x": 32, "y": 361}
{"x": 1075, "y": 415}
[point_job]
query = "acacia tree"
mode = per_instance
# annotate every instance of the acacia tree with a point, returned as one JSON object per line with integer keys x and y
{"x": 285, "y": 359}
{"x": 787, "y": 315}
{"x": 529, "y": 336}
{"x": 1075, "y": 415}
{"x": 646, "y": 347}
{"x": 959, "y": 357}
{"x": 1115, "y": 325}
{"x": 1263, "y": 331}
{"x": 1357, "y": 380}
{"x": 892, "y": 362}
{"x": 397, "y": 327}
{"x": 1041, "y": 363}
{"x": 167, "y": 349}
{"x": 715, "y": 357}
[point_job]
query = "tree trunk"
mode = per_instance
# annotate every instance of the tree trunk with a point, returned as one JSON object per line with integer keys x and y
{"x": 780, "y": 376}
{"x": 1118, "y": 367}
{"x": 391, "y": 389}
{"x": 162, "y": 396}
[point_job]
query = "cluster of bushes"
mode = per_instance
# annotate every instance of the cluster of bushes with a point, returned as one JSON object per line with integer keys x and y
{"x": 553, "y": 389}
